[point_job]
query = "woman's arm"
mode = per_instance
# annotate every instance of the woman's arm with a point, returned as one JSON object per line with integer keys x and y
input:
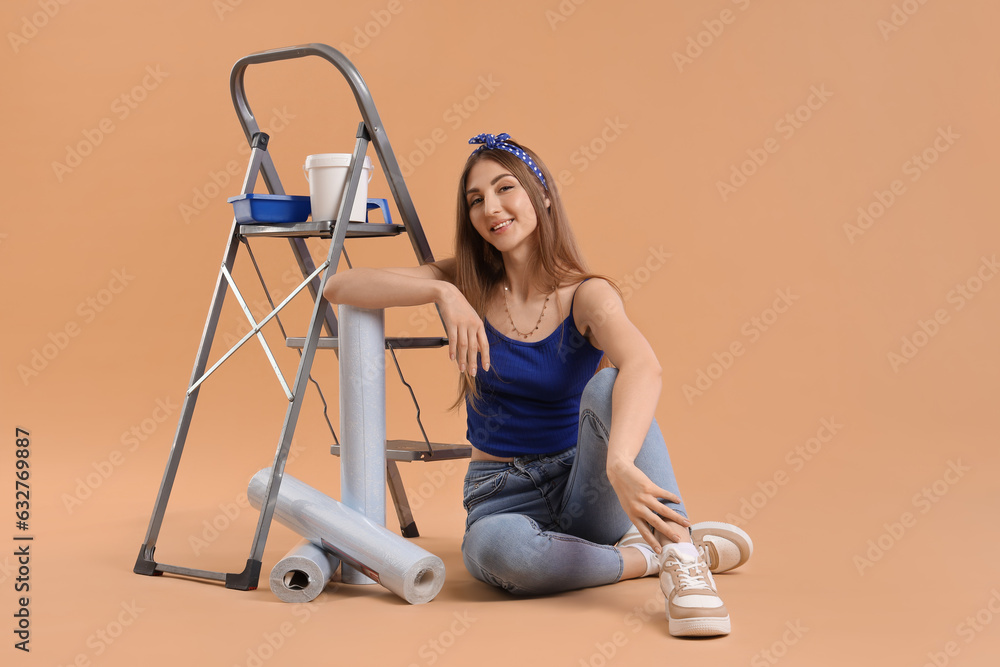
{"x": 383, "y": 288}
{"x": 633, "y": 404}
{"x": 430, "y": 283}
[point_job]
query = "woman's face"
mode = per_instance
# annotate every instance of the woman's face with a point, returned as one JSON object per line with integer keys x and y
{"x": 499, "y": 206}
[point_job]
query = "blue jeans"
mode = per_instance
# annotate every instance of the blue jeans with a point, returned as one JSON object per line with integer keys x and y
{"x": 548, "y": 523}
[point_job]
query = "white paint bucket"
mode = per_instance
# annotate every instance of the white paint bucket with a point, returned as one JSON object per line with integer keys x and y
{"x": 327, "y": 174}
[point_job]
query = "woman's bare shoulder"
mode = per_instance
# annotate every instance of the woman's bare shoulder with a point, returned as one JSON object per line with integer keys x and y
{"x": 595, "y": 298}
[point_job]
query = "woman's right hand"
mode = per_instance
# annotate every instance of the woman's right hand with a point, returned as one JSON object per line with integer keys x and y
{"x": 466, "y": 331}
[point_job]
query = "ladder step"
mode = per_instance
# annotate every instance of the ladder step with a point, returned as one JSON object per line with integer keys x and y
{"x": 328, "y": 343}
{"x": 416, "y": 450}
{"x": 322, "y": 229}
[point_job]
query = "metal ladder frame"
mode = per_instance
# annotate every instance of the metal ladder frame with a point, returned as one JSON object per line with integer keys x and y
{"x": 370, "y": 130}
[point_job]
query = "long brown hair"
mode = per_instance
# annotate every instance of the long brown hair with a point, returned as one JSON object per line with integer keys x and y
{"x": 479, "y": 267}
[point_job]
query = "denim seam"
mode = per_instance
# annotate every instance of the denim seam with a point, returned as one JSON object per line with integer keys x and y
{"x": 587, "y": 412}
{"x": 563, "y": 537}
{"x": 521, "y": 468}
{"x": 553, "y": 516}
{"x": 571, "y": 480}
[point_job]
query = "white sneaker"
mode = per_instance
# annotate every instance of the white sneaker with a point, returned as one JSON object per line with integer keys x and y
{"x": 722, "y": 545}
{"x": 693, "y": 606}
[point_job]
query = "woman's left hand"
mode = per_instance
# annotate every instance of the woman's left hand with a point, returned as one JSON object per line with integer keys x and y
{"x": 639, "y": 497}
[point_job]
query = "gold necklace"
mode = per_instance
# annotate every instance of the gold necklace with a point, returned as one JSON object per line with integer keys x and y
{"x": 511, "y": 319}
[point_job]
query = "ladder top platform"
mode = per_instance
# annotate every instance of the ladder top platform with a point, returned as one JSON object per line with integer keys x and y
{"x": 323, "y": 229}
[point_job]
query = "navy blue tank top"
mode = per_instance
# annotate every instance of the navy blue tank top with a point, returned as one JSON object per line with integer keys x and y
{"x": 531, "y": 394}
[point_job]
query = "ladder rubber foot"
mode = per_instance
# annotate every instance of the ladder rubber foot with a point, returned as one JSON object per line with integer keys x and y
{"x": 247, "y": 579}
{"x": 410, "y": 530}
{"x": 144, "y": 565}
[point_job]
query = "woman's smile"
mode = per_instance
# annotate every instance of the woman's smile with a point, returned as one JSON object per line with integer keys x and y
{"x": 500, "y": 226}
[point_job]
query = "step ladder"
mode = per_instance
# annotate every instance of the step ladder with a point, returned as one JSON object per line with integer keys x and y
{"x": 370, "y": 130}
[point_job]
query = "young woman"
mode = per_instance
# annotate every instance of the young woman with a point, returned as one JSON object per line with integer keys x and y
{"x": 570, "y": 484}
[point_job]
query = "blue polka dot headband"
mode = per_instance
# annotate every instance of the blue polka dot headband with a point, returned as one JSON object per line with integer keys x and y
{"x": 499, "y": 142}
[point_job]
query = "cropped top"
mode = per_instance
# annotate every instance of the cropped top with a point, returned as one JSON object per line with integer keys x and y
{"x": 531, "y": 395}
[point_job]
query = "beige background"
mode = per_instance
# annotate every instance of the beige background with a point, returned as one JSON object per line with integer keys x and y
{"x": 888, "y": 82}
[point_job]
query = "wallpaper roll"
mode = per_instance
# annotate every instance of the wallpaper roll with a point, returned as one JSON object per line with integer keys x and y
{"x": 388, "y": 559}
{"x": 303, "y": 573}
{"x": 362, "y": 417}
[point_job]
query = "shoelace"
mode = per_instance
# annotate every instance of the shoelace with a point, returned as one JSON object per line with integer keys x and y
{"x": 706, "y": 554}
{"x": 689, "y": 575}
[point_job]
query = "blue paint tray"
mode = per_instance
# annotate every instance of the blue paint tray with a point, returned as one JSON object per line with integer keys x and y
{"x": 252, "y": 207}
